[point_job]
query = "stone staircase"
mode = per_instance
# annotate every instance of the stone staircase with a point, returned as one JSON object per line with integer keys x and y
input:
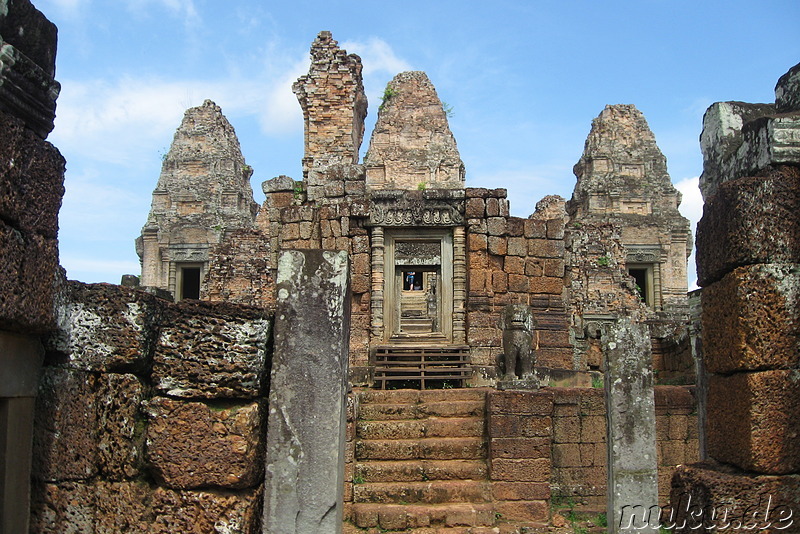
{"x": 420, "y": 463}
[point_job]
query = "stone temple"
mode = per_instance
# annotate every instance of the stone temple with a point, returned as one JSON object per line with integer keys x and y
{"x": 381, "y": 348}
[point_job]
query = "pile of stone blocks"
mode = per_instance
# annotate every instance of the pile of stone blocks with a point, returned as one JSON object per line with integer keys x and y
{"x": 748, "y": 262}
{"x": 151, "y": 415}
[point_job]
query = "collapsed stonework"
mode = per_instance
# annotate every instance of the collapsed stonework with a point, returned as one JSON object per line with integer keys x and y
{"x": 747, "y": 259}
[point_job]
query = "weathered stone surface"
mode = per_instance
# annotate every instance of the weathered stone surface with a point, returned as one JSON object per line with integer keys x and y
{"x": 744, "y": 139}
{"x": 27, "y": 65}
{"x": 205, "y": 511}
{"x": 102, "y": 327}
{"x": 33, "y": 180}
{"x": 412, "y": 146}
{"x": 63, "y": 508}
{"x": 203, "y": 192}
{"x": 240, "y": 271}
{"x": 721, "y": 138}
{"x": 211, "y": 350}
{"x": 121, "y": 423}
{"x": 706, "y": 491}
{"x": 632, "y": 461}
{"x": 750, "y": 220}
{"x": 752, "y": 420}
{"x": 30, "y": 197}
{"x": 65, "y": 441}
{"x": 123, "y": 507}
{"x": 751, "y": 319}
{"x": 304, "y": 480}
{"x": 787, "y": 91}
{"x": 195, "y": 445}
{"x": 334, "y": 105}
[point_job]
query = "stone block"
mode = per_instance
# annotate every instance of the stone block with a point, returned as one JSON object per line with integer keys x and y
{"x": 517, "y": 447}
{"x": 517, "y": 246}
{"x": 787, "y": 91}
{"x": 119, "y": 415}
{"x": 514, "y": 265}
{"x": 496, "y": 226}
{"x": 567, "y": 455}
{"x": 520, "y": 469}
{"x": 33, "y": 180}
{"x": 499, "y": 282}
{"x": 107, "y": 328}
{"x": 492, "y": 207}
{"x": 750, "y": 221}
{"x": 28, "y": 271}
{"x": 498, "y": 245}
{"x": 546, "y": 248}
{"x": 520, "y": 403}
{"x": 752, "y": 420}
{"x": 123, "y": 507}
{"x": 711, "y": 497}
{"x": 211, "y": 350}
{"x": 566, "y": 429}
{"x": 205, "y": 511}
{"x": 518, "y": 283}
{"x": 65, "y": 440}
{"x": 535, "y": 511}
{"x": 555, "y": 228}
{"x": 516, "y": 227}
{"x": 194, "y": 445}
{"x": 535, "y": 229}
{"x": 751, "y": 320}
{"x": 63, "y": 508}
{"x": 521, "y": 491}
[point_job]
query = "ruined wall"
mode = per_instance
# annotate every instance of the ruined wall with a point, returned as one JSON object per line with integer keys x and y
{"x": 549, "y": 447}
{"x": 334, "y": 105}
{"x": 515, "y": 260}
{"x": 150, "y": 416}
{"x": 747, "y": 264}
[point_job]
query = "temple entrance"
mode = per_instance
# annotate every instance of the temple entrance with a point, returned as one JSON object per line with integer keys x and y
{"x": 419, "y": 286}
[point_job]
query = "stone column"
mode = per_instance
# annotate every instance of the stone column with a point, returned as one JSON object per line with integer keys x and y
{"x": 632, "y": 462}
{"x": 304, "y": 480}
{"x": 459, "y": 284}
{"x": 377, "y": 296}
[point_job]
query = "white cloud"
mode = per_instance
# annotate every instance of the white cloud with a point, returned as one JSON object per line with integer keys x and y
{"x": 123, "y": 120}
{"x": 181, "y": 8}
{"x": 281, "y": 111}
{"x": 692, "y": 208}
{"x": 377, "y": 56}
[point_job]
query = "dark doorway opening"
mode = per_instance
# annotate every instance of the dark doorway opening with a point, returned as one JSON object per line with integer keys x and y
{"x": 190, "y": 283}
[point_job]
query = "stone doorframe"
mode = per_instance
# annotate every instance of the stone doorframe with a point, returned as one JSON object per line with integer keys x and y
{"x": 453, "y": 250}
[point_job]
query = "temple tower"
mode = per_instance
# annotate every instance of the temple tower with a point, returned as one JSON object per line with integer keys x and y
{"x": 203, "y": 193}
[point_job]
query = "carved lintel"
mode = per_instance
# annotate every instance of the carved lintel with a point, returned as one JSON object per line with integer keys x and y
{"x": 403, "y": 212}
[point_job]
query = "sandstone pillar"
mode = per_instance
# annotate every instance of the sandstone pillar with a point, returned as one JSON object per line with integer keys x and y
{"x": 632, "y": 462}
{"x": 304, "y": 484}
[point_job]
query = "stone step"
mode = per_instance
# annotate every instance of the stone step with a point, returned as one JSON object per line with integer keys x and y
{"x": 454, "y": 427}
{"x": 421, "y": 470}
{"x": 416, "y": 396}
{"x": 426, "y": 519}
{"x": 421, "y": 449}
{"x": 388, "y": 412}
{"x": 431, "y": 492}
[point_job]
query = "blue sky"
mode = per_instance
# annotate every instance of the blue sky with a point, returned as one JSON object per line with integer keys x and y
{"x": 524, "y": 79}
